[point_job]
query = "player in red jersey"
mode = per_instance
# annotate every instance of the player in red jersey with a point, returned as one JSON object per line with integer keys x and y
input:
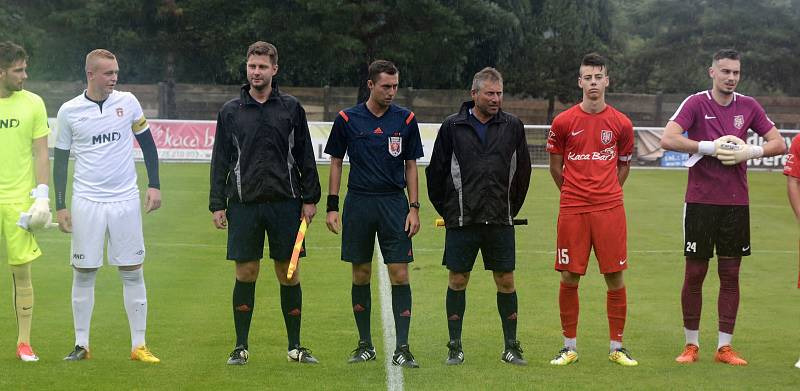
{"x": 792, "y": 171}
{"x": 590, "y": 149}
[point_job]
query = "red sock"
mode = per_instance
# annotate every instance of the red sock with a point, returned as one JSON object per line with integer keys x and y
{"x": 728, "y": 302}
{"x": 568, "y": 304}
{"x": 692, "y": 292}
{"x": 617, "y": 308}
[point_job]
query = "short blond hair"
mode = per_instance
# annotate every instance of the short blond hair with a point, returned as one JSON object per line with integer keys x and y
{"x": 98, "y": 53}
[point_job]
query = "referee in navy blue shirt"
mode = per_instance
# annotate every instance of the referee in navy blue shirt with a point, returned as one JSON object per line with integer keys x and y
{"x": 383, "y": 143}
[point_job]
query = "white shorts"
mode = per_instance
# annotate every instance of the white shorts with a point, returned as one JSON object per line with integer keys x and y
{"x": 94, "y": 222}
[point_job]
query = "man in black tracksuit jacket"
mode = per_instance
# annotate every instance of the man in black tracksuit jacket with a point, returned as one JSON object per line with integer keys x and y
{"x": 263, "y": 178}
{"x": 477, "y": 180}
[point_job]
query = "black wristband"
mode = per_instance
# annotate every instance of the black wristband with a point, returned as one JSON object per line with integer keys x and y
{"x": 414, "y": 205}
{"x": 333, "y": 203}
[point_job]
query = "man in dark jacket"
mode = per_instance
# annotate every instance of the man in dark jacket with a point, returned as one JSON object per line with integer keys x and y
{"x": 477, "y": 180}
{"x": 263, "y": 178}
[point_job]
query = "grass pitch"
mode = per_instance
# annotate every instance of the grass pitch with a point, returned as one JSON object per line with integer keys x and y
{"x": 190, "y": 327}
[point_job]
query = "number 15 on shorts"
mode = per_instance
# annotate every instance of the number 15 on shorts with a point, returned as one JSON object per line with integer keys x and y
{"x": 563, "y": 257}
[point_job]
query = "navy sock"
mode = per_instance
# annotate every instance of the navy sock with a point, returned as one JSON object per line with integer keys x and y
{"x": 362, "y": 304}
{"x": 401, "y": 306}
{"x": 507, "y": 307}
{"x": 244, "y": 297}
{"x": 455, "y": 303}
{"x": 291, "y": 306}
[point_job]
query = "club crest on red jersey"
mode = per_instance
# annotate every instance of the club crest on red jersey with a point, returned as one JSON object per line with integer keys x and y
{"x": 120, "y": 112}
{"x": 395, "y": 146}
{"x": 606, "y": 136}
{"x": 738, "y": 121}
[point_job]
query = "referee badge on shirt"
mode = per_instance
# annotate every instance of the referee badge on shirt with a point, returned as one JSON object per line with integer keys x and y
{"x": 738, "y": 121}
{"x": 605, "y": 136}
{"x": 395, "y": 146}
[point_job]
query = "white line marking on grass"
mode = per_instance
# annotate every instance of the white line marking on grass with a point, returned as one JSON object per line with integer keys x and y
{"x": 394, "y": 374}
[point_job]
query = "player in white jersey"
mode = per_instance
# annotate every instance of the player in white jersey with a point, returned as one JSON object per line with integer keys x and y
{"x": 98, "y": 126}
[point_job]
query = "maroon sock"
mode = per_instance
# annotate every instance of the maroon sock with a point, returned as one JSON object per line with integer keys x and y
{"x": 728, "y": 303}
{"x": 692, "y": 292}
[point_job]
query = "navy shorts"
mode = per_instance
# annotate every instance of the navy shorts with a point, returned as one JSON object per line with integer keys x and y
{"x": 364, "y": 216}
{"x": 247, "y": 224}
{"x": 726, "y": 227}
{"x": 496, "y": 243}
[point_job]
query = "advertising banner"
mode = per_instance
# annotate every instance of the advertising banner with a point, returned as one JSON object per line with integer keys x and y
{"x": 184, "y": 140}
{"x": 181, "y": 140}
{"x": 194, "y": 140}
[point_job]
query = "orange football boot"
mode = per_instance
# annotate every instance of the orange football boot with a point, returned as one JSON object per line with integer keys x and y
{"x": 689, "y": 354}
{"x": 726, "y": 355}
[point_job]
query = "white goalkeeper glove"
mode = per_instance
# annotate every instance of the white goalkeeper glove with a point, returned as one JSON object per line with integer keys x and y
{"x": 712, "y": 148}
{"x": 40, "y": 210}
{"x": 734, "y": 153}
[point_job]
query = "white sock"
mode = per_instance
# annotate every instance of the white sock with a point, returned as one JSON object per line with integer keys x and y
{"x": 692, "y": 336}
{"x": 724, "y": 339}
{"x": 615, "y": 345}
{"x": 135, "y": 297}
{"x": 571, "y": 343}
{"x": 82, "y": 304}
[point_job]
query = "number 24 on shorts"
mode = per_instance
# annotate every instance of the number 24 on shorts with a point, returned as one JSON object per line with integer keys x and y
{"x": 563, "y": 257}
{"x": 691, "y": 246}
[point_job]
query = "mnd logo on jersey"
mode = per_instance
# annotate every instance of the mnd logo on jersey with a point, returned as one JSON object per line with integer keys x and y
{"x": 106, "y": 137}
{"x": 8, "y": 123}
{"x": 607, "y": 154}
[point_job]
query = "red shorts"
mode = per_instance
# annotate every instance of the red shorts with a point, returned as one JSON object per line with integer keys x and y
{"x": 603, "y": 230}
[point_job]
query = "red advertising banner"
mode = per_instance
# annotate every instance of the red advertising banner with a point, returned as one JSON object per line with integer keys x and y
{"x": 181, "y": 140}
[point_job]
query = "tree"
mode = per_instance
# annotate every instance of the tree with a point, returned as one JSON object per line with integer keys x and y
{"x": 425, "y": 45}
{"x": 557, "y": 35}
{"x": 137, "y": 32}
{"x": 672, "y": 44}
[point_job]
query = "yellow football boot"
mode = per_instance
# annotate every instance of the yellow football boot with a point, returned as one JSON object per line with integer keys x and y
{"x": 565, "y": 356}
{"x": 622, "y": 357}
{"x": 143, "y": 354}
